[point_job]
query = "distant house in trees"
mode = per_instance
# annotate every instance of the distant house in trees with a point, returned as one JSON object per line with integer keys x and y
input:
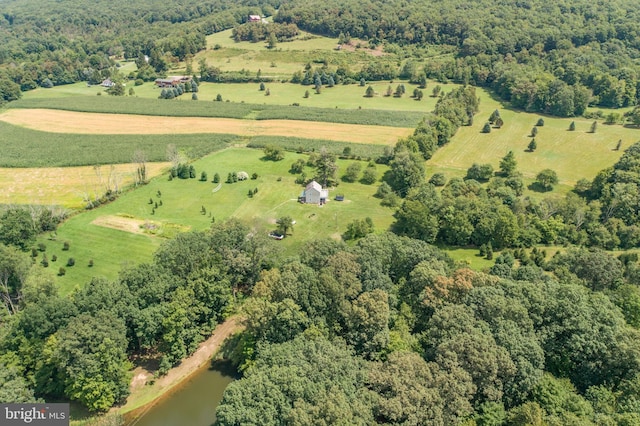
{"x": 255, "y": 18}
{"x": 107, "y": 83}
{"x": 172, "y": 81}
{"x": 314, "y": 194}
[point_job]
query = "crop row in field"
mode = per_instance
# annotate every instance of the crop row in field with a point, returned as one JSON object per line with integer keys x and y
{"x": 162, "y": 107}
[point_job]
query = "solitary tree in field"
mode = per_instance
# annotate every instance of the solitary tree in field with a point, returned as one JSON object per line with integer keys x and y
{"x": 140, "y": 158}
{"x": 116, "y": 90}
{"x": 532, "y": 145}
{"x": 486, "y": 128}
{"x": 285, "y": 224}
{"x": 370, "y": 92}
{"x": 547, "y": 178}
{"x": 494, "y": 116}
{"x": 273, "y": 153}
{"x": 352, "y": 172}
{"x": 498, "y": 123}
{"x": 534, "y": 132}
{"x": 326, "y": 167}
{"x": 272, "y": 41}
{"x": 423, "y": 81}
{"x": 618, "y": 145}
{"x": 594, "y": 126}
{"x": 540, "y": 122}
{"x": 508, "y": 164}
{"x": 306, "y": 94}
{"x": 436, "y": 91}
{"x": 572, "y": 126}
{"x": 389, "y": 91}
{"x": 261, "y": 87}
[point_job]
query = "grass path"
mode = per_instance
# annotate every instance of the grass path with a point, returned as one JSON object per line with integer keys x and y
{"x": 143, "y": 395}
{"x": 58, "y": 121}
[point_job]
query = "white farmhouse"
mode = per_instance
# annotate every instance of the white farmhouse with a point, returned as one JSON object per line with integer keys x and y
{"x": 314, "y": 194}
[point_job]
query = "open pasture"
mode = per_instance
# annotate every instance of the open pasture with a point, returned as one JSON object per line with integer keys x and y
{"x": 65, "y": 186}
{"x": 572, "y": 154}
{"x": 283, "y": 60}
{"x": 182, "y": 203}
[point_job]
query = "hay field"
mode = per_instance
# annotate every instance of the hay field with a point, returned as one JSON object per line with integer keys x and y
{"x": 65, "y": 186}
{"x": 573, "y": 155}
{"x": 58, "y": 121}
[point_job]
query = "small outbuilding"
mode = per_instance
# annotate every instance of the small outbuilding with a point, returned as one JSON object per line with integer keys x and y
{"x": 314, "y": 194}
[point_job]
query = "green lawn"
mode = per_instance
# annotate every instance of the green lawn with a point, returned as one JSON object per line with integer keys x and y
{"x": 573, "y": 155}
{"x": 341, "y": 96}
{"x": 182, "y": 205}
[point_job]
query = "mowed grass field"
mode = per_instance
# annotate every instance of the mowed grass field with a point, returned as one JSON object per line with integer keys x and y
{"x": 573, "y": 155}
{"x": 182, "y": 203}
{"x": 349, "y": 96}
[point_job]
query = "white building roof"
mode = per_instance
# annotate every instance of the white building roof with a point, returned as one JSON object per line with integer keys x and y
{"x": 314, "y": 185}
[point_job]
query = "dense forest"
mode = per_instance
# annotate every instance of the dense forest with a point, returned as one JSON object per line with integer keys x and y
{"x": 53, "y": 42}
{"x": 551, "y": 57}
{"x": 389, "y": 330}
{"x": 554, "y": 58}
{"x": 78, "y": 347}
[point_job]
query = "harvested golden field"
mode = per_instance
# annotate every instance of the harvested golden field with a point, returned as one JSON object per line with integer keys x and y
{"x": 66, "y": 186}
{"x": 58, "y": 121}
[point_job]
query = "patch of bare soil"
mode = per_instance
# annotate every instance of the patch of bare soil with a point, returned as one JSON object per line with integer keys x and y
{"x": 135, "y": 226}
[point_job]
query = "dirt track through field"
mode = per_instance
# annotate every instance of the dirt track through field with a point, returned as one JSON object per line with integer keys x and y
{"x": 58, "y": 121}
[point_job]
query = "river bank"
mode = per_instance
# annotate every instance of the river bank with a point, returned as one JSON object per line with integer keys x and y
{"x": 145, "y": 395}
